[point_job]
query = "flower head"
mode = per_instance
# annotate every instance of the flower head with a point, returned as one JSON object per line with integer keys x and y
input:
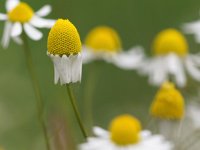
{"x": 64, "y": 48}
{"x": 21, "y": 16}
{"x": 104, "y": 43}
{"x": 125, "y": 133}
{"x": 21, "y": 13}
{"x": 168, "y": 103}
{"x": 125, "y": 130}
{"x": 170, "y": 41}
{"x": 64, "y": 39}
{"x": 103, "y": 38}
{"x": 171, "y": 59}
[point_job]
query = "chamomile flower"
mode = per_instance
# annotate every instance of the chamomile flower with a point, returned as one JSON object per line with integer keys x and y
{"x": 64, "y": 48}
{"x": 104, "y": 43}
{"x": 20, "y": 16}
{"x": 171, "y": 59}
{"x": 125, "y": 133}
{"x": 168, "y": 107}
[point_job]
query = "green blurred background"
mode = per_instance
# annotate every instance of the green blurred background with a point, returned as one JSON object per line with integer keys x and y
{"x": 115, "y": 91}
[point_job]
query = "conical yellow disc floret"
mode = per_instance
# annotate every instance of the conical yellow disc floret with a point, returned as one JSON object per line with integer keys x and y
{"x": 64, "y": 39}
{"x": 103, "y": 38}
{"x": 125, "y": 130}
{"x": 168, "y": 103}
{"x": 21, "y": 13}
{"x": 170, "y": 41}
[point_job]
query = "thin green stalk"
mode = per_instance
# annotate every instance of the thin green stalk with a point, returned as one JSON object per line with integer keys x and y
{"x": 39, "y": 101}
{"x": 73, "y": 102}
{"x": 88, "y": 96}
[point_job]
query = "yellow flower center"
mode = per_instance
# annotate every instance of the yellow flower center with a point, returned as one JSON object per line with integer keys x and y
{"x": 103, "y": 38}
{"x": 170, "y": 41}
{"x": 64, "y": 39}
{"x": 125, "y": 130}
{"x": 168, "y": 103}
{"x": 21, "y": 13}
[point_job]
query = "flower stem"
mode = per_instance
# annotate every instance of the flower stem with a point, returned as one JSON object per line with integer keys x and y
{"x": 73, "y": 102}
{"x": 36, "y": 88}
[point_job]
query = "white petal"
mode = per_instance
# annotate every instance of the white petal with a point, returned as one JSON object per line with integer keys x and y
{"x": 3, "y": 16}
{"x": 32, "y": 32}
{"x": 44, "y": 11}
{"x": 100, "y": 132}
{"x": 192, "y": 69}
{"x": 6, "y": 34}
{"x": 16, "y": 30}
{"x": 193, "y": 28}
{"x": 129, "y": 59}
{"x": 18, "y": 40}
{"x": 176, "y": 68}
{"x": 87, "y": 55}
{"x": 76, "y": 62}
{"x": 42, "y": 23}
{"x": 11, "y": 4}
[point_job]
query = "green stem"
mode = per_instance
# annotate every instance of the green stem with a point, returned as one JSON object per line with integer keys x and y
{"x": 35, "y": 85}
{"x": 73, "y": 102}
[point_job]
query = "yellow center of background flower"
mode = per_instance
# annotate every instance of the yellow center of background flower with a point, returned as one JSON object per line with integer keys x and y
{"x": 64, "y": 39}
{"x": 168, "y": 103}
{"x": 170, "y": 41}
{"x": 103, "y": 38}
{"x": 125, "y": 130}
{"x": 21, "y": 13}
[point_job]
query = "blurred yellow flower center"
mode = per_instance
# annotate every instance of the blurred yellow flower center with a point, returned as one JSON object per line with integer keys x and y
{"x": 21, "y": 13}
{"x": 168, "y": 103}
{"x": 125, "y": 130}
{"x": 64, "y": 39}
{"x": 103, "y": 39}
{"x": 170, "y": 41}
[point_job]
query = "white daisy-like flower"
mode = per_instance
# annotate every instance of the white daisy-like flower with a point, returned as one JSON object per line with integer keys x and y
{"x": 20, "y": 16}
{"x": 103, "y": 43}
{"x": 125, "y": 134}
{"x": 171, "y": 60}
{"x": 64, "y": 48}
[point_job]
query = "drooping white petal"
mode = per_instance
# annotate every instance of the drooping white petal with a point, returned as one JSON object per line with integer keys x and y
{"x": 11, "y": 4}
{"x": 158, "y": 73}
{"x": 176, "y": 68}
{"x": 192, "y": 68}
{"x": 44, "y": 11}
{"x": 100, "y": 132}
{"x": 67, "y": 69}
{"x": 6, "y": 34}
{"x": 3, "y": 17}
{"x": 32, "y": 32}
{"x": 129, "y": 59}
{"x": 16, "y": 30}
{"x": 41, "y": 23}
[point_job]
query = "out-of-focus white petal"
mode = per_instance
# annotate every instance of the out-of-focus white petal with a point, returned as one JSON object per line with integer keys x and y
{"x": 11, "y": 4}
{"x": 193, "y": 28}
{"x": 129, "y": 59}
{"x": 32, "y": 32}
{"x": 193, "y": 111}
{"x": 16, "y": 30}
{"x": 158, "y": 73}
{"x": 44, "y": 11}
{"x": 41, "y": 23}
{"x": 100, "y": 132}
{"x": 176, "y": 68}
{"x": 6, "y": 34}
{"x": 192, "y": 68}
{"x": 18, "y": 40}
{"x": 3, "y": 16}
{"x": 87, "y": 55}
